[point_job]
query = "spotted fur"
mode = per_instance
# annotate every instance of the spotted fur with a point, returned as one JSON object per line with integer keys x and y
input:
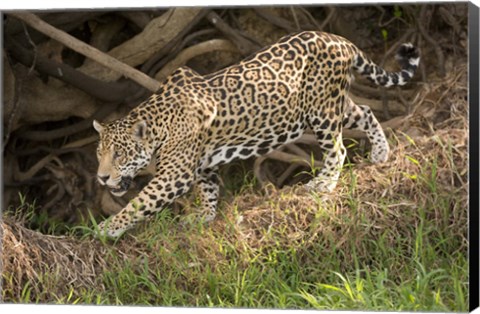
{"x": 195, "y": 123}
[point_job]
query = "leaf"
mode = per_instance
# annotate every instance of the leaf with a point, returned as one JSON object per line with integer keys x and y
{"x": 384, "y": 34}
{"x": 397, "y": 12}
{"x": 413, "y": 160}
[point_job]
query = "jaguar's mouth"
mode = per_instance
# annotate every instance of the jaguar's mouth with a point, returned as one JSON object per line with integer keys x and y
{"x": 122, "y": 186}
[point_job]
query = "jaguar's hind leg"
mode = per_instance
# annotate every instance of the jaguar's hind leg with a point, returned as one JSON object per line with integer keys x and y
{"x": 361, "y": 118}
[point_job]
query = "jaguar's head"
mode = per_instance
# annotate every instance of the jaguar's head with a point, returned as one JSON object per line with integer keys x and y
{"x": 123, "y": 150}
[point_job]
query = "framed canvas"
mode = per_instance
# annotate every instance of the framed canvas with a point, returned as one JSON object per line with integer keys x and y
{"x": 243, "y": 156}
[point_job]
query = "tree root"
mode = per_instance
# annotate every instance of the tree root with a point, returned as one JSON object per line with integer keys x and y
{"x": 106, "y": 91}
{"x": 68, "y": 130}
{"x": 156, "y": 35}
{"x": 436, "y": 47}
{"x": 170, "y": 51}
{"x": 193, "y": 51}
{"x": 243, "y": 45}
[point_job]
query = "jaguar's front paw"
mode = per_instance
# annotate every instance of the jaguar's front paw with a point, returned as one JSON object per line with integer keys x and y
{"x": 208, "y": 216}
{"x": 107, "y": 229}
{"x": 200, "y": 217}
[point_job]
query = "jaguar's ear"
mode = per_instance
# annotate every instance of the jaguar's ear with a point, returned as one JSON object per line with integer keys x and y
{"x": 98, "y": 126}
{"x": 139, "y": 130}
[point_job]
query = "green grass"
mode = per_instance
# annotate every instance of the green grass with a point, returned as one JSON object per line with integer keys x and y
{"x": 278, "y": 277}
{"x": 389, "y": 253}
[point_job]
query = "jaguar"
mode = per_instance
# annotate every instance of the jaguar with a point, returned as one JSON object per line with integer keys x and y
{"x": 195, "y": 123}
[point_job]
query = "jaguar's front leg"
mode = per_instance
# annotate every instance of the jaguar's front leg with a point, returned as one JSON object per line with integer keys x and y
{"x": 208, "y": 190}
{"x": 161, "y": 191}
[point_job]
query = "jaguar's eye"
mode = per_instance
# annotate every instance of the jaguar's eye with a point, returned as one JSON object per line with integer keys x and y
{"x": 116, "y": 155}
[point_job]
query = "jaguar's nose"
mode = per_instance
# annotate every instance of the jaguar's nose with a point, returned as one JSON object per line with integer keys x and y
{"x": 103, "y": 179}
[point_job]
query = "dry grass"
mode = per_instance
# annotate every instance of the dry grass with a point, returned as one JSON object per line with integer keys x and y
{"x": 29, "y": 255}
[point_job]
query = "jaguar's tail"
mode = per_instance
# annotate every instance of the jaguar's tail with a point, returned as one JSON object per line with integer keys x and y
{"x": 407, "y": 56}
